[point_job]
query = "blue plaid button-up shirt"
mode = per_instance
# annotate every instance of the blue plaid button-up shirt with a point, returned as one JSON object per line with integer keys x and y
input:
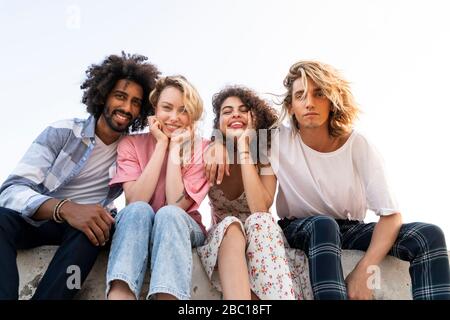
{"x": 54, "y": 158}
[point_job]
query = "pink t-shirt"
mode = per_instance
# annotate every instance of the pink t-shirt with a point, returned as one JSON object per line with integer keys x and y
{"x": 133, "y": 154}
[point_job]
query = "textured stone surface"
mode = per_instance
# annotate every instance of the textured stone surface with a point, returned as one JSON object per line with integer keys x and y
{"x": 395, "y": 281}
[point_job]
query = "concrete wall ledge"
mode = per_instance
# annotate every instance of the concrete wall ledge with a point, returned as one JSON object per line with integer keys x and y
{"x": 395, "y": 282}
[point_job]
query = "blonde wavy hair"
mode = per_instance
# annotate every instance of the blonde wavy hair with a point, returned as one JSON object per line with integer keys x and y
{"x": 343, "y": 110}
{"x": 193, "y": 103}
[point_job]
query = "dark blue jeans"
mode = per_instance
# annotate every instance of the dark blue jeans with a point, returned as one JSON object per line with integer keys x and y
{"x": 322, "y": 239}
{"x": 75, "y": 250}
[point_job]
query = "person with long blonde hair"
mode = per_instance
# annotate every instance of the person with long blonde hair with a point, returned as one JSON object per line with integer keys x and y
{"x": 164, "y": 184}
{"x": 329, "y": 175}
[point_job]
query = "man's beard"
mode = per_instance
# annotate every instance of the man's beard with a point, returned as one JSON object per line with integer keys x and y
{"x": 110, "y": 122}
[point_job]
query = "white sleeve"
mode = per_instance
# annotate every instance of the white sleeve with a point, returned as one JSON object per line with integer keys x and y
{"x": 369, "y": 163}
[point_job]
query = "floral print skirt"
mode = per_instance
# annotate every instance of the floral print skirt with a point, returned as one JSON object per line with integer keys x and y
{"x": 276, "y": 271}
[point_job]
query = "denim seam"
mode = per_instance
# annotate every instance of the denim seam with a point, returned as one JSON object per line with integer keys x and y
{"x": 126, "y": 279}
{"x": 162, "y": 289}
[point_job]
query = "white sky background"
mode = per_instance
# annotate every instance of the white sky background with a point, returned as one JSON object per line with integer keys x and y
{"x": 395, "y": 53}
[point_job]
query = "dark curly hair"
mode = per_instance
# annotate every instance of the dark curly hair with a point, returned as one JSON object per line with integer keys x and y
{"x": 102, "y": 78}
{"x": 264, "y": 115}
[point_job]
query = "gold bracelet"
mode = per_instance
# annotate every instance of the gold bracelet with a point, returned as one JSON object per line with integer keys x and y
{"x": 56, "y": 211}
{"x": 55, "y": 218}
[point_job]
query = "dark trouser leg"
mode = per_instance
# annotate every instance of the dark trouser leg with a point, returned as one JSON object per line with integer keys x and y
{"x": 69, "y": 267}
{"x": 422, "y": 244}
{"x": 16, "y": 233}
{"x": 319, "y": 238}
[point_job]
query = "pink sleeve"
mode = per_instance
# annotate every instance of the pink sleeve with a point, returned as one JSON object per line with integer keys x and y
{"x": 128, "y": 168}
{"x": 194, "y": 178}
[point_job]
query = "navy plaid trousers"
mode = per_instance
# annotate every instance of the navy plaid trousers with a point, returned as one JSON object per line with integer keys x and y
{"x": 322, "y": 239}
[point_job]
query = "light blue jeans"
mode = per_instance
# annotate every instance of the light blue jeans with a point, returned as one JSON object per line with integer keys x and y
{"x": 167, "y": 236}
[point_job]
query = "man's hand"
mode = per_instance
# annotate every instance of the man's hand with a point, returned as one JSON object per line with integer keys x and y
{"x": 91, "y": 219}
{"x": 357, "y": 284}
{"x": 216, "y": 163}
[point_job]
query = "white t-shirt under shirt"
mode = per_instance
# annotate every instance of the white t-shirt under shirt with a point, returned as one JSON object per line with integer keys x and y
{"x": 342, "y": 184}
{"x": 90, "y": 186}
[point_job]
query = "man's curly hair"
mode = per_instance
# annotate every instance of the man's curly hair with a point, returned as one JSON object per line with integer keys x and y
{"x": 102, "y": 78}
{"x": 264, "y": 116}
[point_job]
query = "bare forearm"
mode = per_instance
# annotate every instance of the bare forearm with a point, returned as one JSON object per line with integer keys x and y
{"x": 144, "y": 187}
{"x": 258, "y": 198}
{"x": 383, "y": 238}
{"x": 174, "y": 183}
{"x": 45, "y": 211}
{"x": 174, "y": 179}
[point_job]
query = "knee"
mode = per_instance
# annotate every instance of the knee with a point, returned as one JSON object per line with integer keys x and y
{"x": 137, "y": 212}
{"x": 324, "y": 226}
{"x": 80, "y": 246}
{"x": 171, "y": 216}
{"x": 9, "y": 221}
{"x": 5, "y": 220}
{"x": 259, "y": 218}
{"x": 429, "y": 234}
{"x": 259, "y": 222}
{"x": 234, "y": 236}
{"x": 139, "y": 207}
{"x": 437, "y": 234}
{"x": 234, "y": 230}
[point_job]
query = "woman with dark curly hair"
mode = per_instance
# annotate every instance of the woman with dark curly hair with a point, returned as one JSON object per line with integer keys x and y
{"x": 245, "y": 253}
{"x": 72, "y": 159}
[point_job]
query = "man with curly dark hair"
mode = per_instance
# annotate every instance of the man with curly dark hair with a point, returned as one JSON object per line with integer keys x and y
{"x": 58, "y": 194}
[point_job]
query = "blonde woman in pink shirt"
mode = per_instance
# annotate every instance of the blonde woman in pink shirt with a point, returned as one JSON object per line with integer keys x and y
{"x": 162, "y": 175}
